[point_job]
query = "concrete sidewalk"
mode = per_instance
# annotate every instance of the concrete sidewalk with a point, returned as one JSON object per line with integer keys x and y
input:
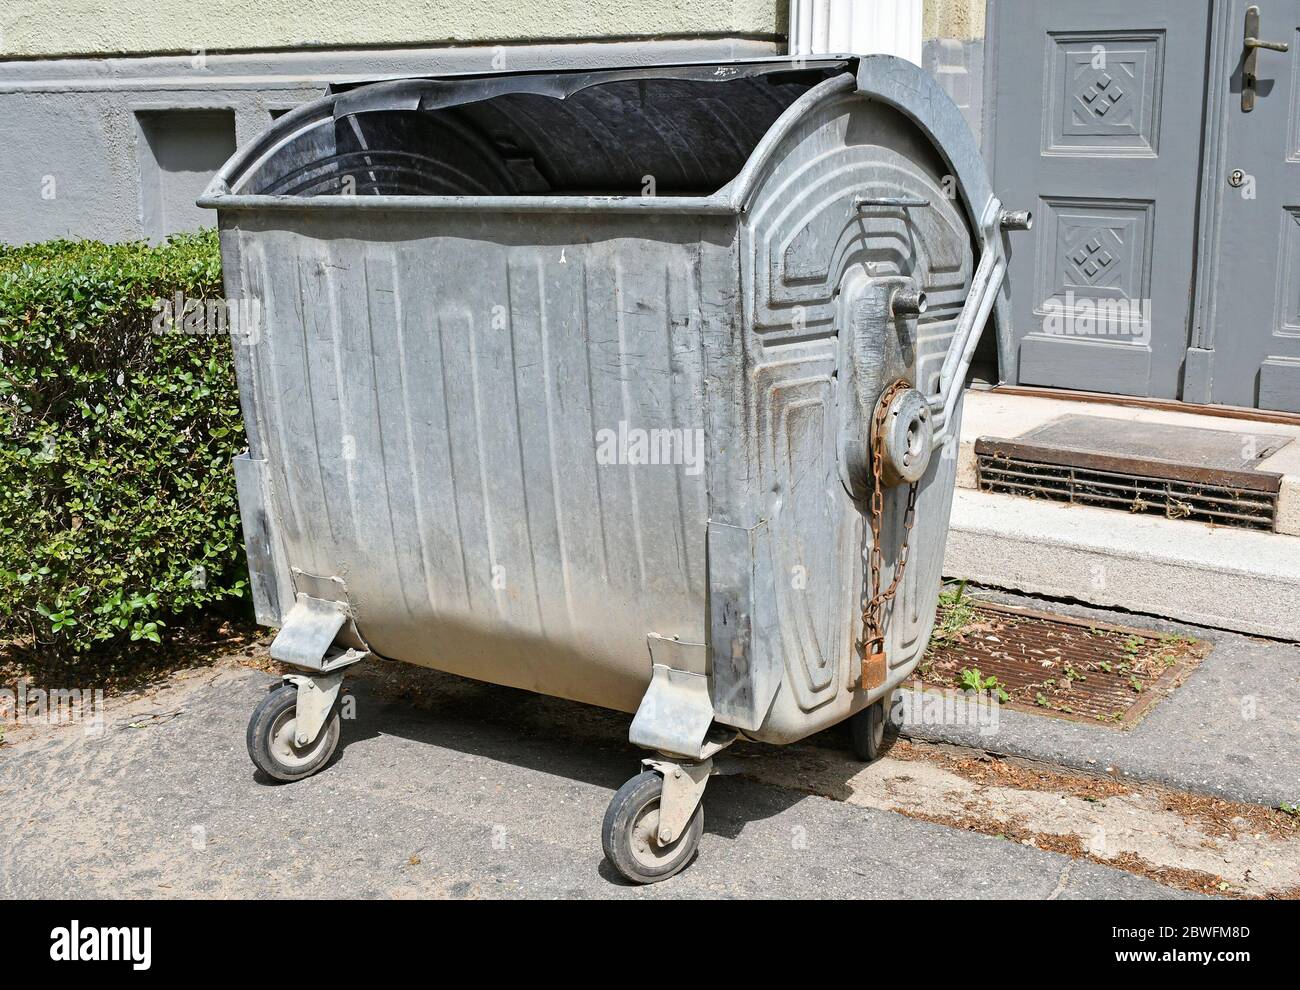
{"x": 1231, "y": 730}
{"x": 476, "y": 791}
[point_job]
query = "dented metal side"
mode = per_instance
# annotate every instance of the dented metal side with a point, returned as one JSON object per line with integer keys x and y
{"x": 268, "y": 572}
{"x": 452, "y": 407}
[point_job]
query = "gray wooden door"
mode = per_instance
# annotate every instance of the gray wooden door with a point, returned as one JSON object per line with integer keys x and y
{"x": 1098, "y": 122}
{"x": 1256, "y": 340}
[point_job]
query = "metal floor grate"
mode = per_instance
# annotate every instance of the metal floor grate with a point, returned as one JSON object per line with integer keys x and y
{"x": 1218, "y": 498}
{"x": 1131, "y": 493}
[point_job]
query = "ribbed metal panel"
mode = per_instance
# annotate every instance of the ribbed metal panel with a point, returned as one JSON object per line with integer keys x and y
{"x": 434, "y": 441}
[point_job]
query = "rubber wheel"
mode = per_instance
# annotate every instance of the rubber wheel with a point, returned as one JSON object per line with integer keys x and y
{"x": 868, "y": 727}
{"x": 630, "y": 833}
{"x": 271, "y": 738}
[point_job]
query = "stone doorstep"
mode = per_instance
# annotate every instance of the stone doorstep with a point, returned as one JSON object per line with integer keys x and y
{"x": 1224, "y": 578}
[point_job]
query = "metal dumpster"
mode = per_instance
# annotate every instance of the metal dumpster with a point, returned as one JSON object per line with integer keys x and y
{"x": 636, "y": 387}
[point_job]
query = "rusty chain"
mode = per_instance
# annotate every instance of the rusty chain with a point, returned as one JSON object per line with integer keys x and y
{"x": 872, "y": 646}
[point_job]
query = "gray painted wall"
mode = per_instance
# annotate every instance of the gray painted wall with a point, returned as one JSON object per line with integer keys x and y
{"x": 958, "y": 66}
{"x": 117, "y": 149}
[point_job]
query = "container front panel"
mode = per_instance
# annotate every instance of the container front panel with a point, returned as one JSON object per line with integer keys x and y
{"x": 492, "y": 429}
{"x": 812, "y": 261}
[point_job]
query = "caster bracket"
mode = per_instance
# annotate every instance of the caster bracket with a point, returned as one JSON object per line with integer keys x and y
{"x": 675, "y": 714}
{"x": 316, "y": 696}
{"x": 684, "y": 785}
{"x": 320, "y": 632}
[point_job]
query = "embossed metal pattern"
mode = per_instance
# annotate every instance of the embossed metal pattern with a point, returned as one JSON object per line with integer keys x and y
{"x": 807, "y": 251}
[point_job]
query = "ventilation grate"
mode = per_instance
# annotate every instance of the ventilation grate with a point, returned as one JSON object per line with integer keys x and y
{"x": 1239, "y": 499}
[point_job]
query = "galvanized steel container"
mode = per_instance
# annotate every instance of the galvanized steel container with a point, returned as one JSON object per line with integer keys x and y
{"x": 564, "y": 381}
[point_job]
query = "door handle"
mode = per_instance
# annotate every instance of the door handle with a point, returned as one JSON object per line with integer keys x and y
{"x": 1254, "y": 44}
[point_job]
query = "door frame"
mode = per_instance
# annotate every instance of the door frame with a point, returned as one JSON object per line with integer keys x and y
{"x": 1198, "y": 373}
{"x": 1008, "y": 355}
{"x": 1211, "y": 177}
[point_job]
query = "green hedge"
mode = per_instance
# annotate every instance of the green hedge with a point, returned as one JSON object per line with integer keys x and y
{"x": 117, "y": 495}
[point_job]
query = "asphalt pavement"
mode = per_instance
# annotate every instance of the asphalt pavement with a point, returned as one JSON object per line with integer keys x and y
{"x": 451, "y": 789}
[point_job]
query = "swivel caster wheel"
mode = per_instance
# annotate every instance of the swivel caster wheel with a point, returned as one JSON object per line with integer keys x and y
{"x": 868, "y": 728}
{"x": 630, "y": 833}
{"x": 272, "y": 738}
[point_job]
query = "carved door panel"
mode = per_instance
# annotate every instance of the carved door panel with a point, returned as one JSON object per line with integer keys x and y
{"x": 1099, "y": 123}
